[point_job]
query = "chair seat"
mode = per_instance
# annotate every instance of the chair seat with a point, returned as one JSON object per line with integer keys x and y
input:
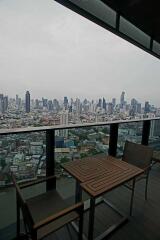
{"x": 156, "y": 156}
{"x": 45, "y": 205}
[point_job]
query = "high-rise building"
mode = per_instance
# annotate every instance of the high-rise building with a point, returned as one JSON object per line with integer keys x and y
{"x": 45, "y": 102}
{"x": 92, "y": 106}
{"x": 85, "y": 106}
{"x": 56, "y": 105}
{"x": 5, "y": 102}
{"x": 155, "y": 128}
{"x": 147, "y": 107}
{"x": 65, "y": 102}
{"x": 17, "y": 100}
{"x": 27, "y": 102}
{"x": 78, "y": 105}
{"x": 133, "y": 109}
{"x": 50, "y": 105}
{"x": 138, "y": 107}
{"x": 122, "y": 102}
{"x": 110, "y": 108}
{"x": 104, "y": 104}
{"x": 99, "y": 103}
{"x": 36, "y": 103}
{"x": 1, "y": 103}
{"x": 113, "y": 102}
{"x": 64, "y": 121}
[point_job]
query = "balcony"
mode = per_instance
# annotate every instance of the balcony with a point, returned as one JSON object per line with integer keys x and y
{"x": 34, "y": 152}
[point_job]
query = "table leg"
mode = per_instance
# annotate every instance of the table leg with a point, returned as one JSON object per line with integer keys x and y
{"x": 18, "y": 218}
{"x": 91, "y": 219}
{"x": 132, "y": 196}
{"x": 78, "y": 194}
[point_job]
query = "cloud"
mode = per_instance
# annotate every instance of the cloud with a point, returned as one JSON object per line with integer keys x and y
{"x": 53, "y": 52}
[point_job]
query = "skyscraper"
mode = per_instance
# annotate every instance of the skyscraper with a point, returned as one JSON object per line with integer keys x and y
{"x": 122, "y": 99}
{"x": 27, "y": 102}
{"x": 138, "y": 107}
{"x": 50, "y": 105}
{"x": 155, "y": 128}
{"x": 147, "y": 107}
{"x": 56, "y": 105}
{"x": 17, "y": 100}
{"x": 5, "y": 101}
{"x": 78, "y": 106}
{"x": 110, "y": 108}
{"x": 99, "y": 104}
{"x": 45, "y": 102}
{"x": 64, "y": 121}
{"x": 114, "y": 102}
{"x": 104, "y": 104}
{"x": 1, "y": 103}
{"x": 65, "y": 102}
{"x": 133, "y": 109}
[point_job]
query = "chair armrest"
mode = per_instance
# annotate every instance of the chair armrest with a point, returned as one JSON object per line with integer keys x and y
{"x": 120, "y": 156}
{"x": 148, "y": 168}
{"x": 76, "y": 207}
{"x": 29, "y": 184}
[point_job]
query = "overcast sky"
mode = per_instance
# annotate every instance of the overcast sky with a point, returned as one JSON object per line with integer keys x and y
{"x": 53, "y": 52}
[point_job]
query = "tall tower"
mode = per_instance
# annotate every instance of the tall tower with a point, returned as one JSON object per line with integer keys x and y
{"x": 64, "y": 121}
{"x": 5, "y": 100}
{"x": 17, "y": 100}
{"x": 104, "y": 104}
{"x": 122, "y": 99}
{"x": 65, "y": 102}
{"x": 1, "y": 103}
{"x": 147, "y": 107}
{"x": 27, "y": 102}
{"x": 114, "y": 102}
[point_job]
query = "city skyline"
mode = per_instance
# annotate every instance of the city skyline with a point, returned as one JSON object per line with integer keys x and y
{"x": 124, "y": 99}
{"x": 52, "y": 51}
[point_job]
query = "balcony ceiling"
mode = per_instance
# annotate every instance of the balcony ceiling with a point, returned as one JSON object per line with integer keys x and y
{"x": 144, "y": 14}
{"x": 137, "y": 21}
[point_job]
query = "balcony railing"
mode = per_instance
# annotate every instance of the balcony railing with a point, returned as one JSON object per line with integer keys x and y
{"x": 117, "y": 132}
{"x": 49, "y": 132}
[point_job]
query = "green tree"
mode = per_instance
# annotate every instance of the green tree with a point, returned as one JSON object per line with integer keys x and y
{"x": 64, "y": 159}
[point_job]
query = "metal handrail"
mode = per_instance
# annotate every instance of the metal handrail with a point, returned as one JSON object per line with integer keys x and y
{"x": 70, "y": 126}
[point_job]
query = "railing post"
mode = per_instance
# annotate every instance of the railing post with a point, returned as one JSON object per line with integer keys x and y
{"x": 113, "y": 139}
{"x": 146, "y": 132}
{"x": 50, "y": 159}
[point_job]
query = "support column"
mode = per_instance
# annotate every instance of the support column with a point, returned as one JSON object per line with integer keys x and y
{"x": 50, "y": 158}
{"x": 113, "y": 139}
{"x": 146, "y": 132}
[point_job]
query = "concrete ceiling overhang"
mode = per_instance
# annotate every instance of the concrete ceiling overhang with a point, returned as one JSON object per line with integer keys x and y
{"x": 137, "y": 21}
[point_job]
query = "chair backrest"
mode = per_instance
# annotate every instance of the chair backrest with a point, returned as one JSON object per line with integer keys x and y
{"x": 28, "y": 221}
{"x": 137, "y": 154}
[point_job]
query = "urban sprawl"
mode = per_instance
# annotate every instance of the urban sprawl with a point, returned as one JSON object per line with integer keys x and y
{"x": 25, "y": 153}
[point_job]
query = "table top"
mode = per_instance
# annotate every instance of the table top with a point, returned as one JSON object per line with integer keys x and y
{"x": 85, "y": 169}
{"x": 101, "y": 174}
{"x": 117, "y": 173}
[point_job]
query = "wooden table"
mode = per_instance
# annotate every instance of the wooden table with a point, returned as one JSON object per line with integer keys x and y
{"x": 84, "y": 170}
{"x": 97, "y": 176}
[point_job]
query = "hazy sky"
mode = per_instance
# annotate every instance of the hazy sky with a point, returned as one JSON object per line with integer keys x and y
{"x": 53, "y": 52}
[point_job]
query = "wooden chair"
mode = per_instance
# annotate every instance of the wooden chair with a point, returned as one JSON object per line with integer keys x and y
{"x": 156, "y": 157}
{"x": 46, "y": 212}
{"x": 140, "y": 156}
